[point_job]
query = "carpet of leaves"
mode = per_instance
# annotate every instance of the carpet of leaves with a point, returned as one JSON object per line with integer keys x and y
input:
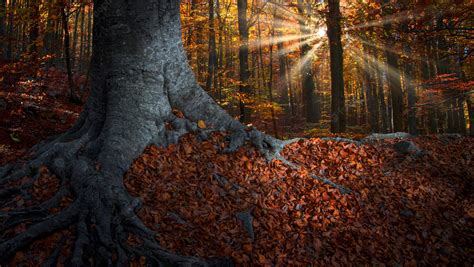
{"x": 33, "y": 106}
{"x": 404, "y": 210}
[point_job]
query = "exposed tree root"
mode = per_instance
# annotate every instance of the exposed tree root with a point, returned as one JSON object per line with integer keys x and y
{"x": 102, "y": 212}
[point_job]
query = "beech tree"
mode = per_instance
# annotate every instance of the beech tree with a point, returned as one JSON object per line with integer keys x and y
{"x": 244, "y": 88}
{"x": 139, "y": 77}
{"x": 338, "y": 110}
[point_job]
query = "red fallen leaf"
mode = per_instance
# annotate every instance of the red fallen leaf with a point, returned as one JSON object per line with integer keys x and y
{"x": 188, "y": 149}
{"x": 248, "y": 248}
{"x": 248, "y": 164}
{"x": 164, "y": 197}
{"x": 325, "y": 196}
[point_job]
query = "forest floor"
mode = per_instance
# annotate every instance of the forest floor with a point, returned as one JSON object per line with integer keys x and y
{"x": 404, "y": 209}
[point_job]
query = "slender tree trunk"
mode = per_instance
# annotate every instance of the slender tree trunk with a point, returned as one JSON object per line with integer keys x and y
{"x": 34, "y": 27}
{"x": 312, "y": 109}
{"x": 82, "y": 44}
{"x": 411, "y": 91}
{"x": 3, "y": 36}
{"x": 190, "y": 34}
{"x": 338, "y": 110}
{"x": 428, "y": 73}
{"x": 11, "y": 33}
{"x": 371, "y": 89}
{"x": 270, "y": 89}
{"x": 291, "y": 92}
{"x": 379, "y": 84}
{"x": 74, "y": 40}
{"x": 89, "y": 36}
{"x": 244, "y": 88}
{"x": 220, "y": 56}
{"x": 212, "y": 62}
{"x": 461, "y": 115}
{"x": 451, "y": 116}
{"x": 282, "y": 81}
{"x": 470, "y": 109}
{"x": 72, "y": 90}
{"x": 393, "y": 73}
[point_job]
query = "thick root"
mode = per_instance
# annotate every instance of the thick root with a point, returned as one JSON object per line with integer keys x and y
{"x": 102, "y": 213}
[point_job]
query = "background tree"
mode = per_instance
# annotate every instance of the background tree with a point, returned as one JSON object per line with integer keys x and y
{"x": 338, "y": 111}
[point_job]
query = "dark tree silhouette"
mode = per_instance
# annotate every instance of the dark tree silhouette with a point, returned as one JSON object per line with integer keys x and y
{"x": 338, "y": 110}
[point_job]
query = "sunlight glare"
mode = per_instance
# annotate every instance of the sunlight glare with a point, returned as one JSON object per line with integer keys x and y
{"x": 278, "y": 40}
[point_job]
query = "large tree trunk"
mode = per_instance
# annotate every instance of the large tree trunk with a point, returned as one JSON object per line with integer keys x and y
{"x": 140, "y": 74}
{"x": 338, "y": 110}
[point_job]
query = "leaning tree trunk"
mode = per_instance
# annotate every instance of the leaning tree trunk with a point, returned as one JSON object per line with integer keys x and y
{"x": 140, "y": 75}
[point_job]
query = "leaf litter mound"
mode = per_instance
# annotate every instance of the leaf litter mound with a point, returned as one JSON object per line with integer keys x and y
{"x": 405, "y": 210}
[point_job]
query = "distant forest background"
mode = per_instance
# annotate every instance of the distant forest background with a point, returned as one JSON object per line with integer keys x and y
{"x": 287, "y": 67}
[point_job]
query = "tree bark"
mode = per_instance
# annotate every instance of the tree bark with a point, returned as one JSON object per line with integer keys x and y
{"x": 379, "y": 84}
{"x": 428, "y": 73}
{"x": 67, "y": 52}
{"x": 411, "y": 91}
{"x": 212, "y": 62}
{"x": 393, "y": 74}
{"x": 11, "y": 17}
{"x": 371, "y": 89}
{"x": 244, "y": 87}
{"x": 338, "y": 110}
{"x": 470, "y": 109}
{"x": 312, "y": 109}
{"x": 3, "y": 10}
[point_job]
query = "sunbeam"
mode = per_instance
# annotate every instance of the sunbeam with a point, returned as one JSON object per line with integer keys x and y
{"x": 398, "y": 17}
{"x": 287, "y": 12}
{"x": 305, "y": 60}
{"x": 373, "y": 62}
{"x": 295, "y": 46}
{"x": 278, "y": 40}
{"x": 290, "y": 24}
{"x": 384, "y": 48}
